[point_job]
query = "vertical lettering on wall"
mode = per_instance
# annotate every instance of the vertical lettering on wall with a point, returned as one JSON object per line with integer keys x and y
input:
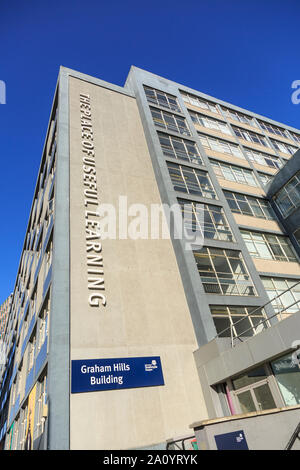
{"x": 94, "y": 260}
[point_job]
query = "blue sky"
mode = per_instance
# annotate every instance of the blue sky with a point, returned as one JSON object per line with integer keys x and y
{"x": 244, "y": 52}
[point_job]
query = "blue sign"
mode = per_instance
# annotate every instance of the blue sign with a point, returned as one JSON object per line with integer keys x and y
{"x": 91, "y": 375}
{"x": 231, "y": 441}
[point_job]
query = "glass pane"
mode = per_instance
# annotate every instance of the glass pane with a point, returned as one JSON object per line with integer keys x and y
{"x": 222, "y": 325}
{"x": 246, "y": 402}
{"x": 287, "y": 375}
{"x": 264, "y": 397}
{"x": 254, "y": 375}
{"x": 242, "y": 326}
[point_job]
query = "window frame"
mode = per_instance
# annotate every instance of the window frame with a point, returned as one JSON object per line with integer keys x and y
{"x": 230, "y": 277}
{"x": 197, "y": 174}
{"x": 157, "y": 101}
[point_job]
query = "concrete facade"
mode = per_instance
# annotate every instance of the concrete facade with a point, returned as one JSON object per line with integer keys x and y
{"x": 140, "y": 318}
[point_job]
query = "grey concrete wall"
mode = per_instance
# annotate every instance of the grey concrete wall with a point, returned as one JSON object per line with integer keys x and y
{"x": 269, "y": 430}
{"x": 217, "y": 361}
{"x": 146, "y": 312}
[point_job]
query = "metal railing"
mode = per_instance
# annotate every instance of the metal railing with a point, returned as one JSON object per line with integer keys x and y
{"x": 295, "y": 435}
{"x": 265, "y": 322}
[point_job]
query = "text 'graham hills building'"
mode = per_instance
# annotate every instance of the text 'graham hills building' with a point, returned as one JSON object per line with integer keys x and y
{"x": 157, "y": 299}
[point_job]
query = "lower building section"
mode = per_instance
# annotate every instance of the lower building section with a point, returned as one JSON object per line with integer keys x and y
{"x": 260, "y": 374}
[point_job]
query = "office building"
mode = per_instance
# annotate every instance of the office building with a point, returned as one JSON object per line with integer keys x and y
{"x": 119, "y": 338}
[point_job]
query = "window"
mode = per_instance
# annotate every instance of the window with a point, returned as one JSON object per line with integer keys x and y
{"x": 162, "y": 99}
{"x": 249, "y": 205}
{"x": 191, "y": 181}
{"x": 200, "y": 102}
{"x": 43, "y": 325}
{"x": 287, "y": 375}
{"x": 263, "y": 159}
{"x": 288, "y": 198}
{"x": 276, "y": 286}
{"x": 15, "y": 431}
{"x": 273, "y": 129}
{"x": 283, "y": 147}
{"x": 265, "y": 179}
{"x": 221, "y": 146}
{"x": 169, "y": 121}
{"x": 237, "y": 320}
{"x": 237, "y": 116}
{"x": 210, "y": 123}
{"x": 223, "y": 272}
{"x": 296, "y": 137}
{"x": 234, "y": 173}
{"x": 267, "y": 246}
{"x": 208, "y": 219}
{"x": 48, "y": 257}
{"x": 253, "y": 391}
{"x": 250, "y": 136}
{"x": 33, "y": 304}
{"x": 179, "y": 148}
{"x": 31, "y": 349}
{"x": 41, "y": 402}
{"x": 297, "y": 235}
{"x": 23, "y": 427}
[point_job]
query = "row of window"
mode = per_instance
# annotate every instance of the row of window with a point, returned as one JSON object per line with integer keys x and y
{"x": 283, "y": 147}
{"x": 234, "y": 173}
{"x": 238, "y": 116}
{"x": 20, "y": 434}
{"x": 220, "y": 146}
{"x": 224, "y": 271}
{"x": 234, "y": 150}
{"x": 210, "y": 123}
{"x": 267, "y": 246}
{"x": 197, "y": 182}
{"x": 239, "y": 175}
{"x": 241, "y": 133}
{"x": 186, "y": 150}
{"x": 200, "y": 102}
{"x": 263, "y": 159}
{"x": 249, "y": 205}
{"x": 211, "y": 220}
{"x": 168, "y": 101}
{"x": 250, "y": 136}
{"x": 36, "y": 251}
{"x": 247, "y": 321}
{"x": 273, "y": 129}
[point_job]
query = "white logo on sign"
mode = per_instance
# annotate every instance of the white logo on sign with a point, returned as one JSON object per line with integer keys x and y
{"x": 239, "y": 438}
{"x": 150, "y": 367}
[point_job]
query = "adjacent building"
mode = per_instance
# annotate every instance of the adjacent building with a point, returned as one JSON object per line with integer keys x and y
{"x": 4, "y": 312}
{"x": 120, "y": 338}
